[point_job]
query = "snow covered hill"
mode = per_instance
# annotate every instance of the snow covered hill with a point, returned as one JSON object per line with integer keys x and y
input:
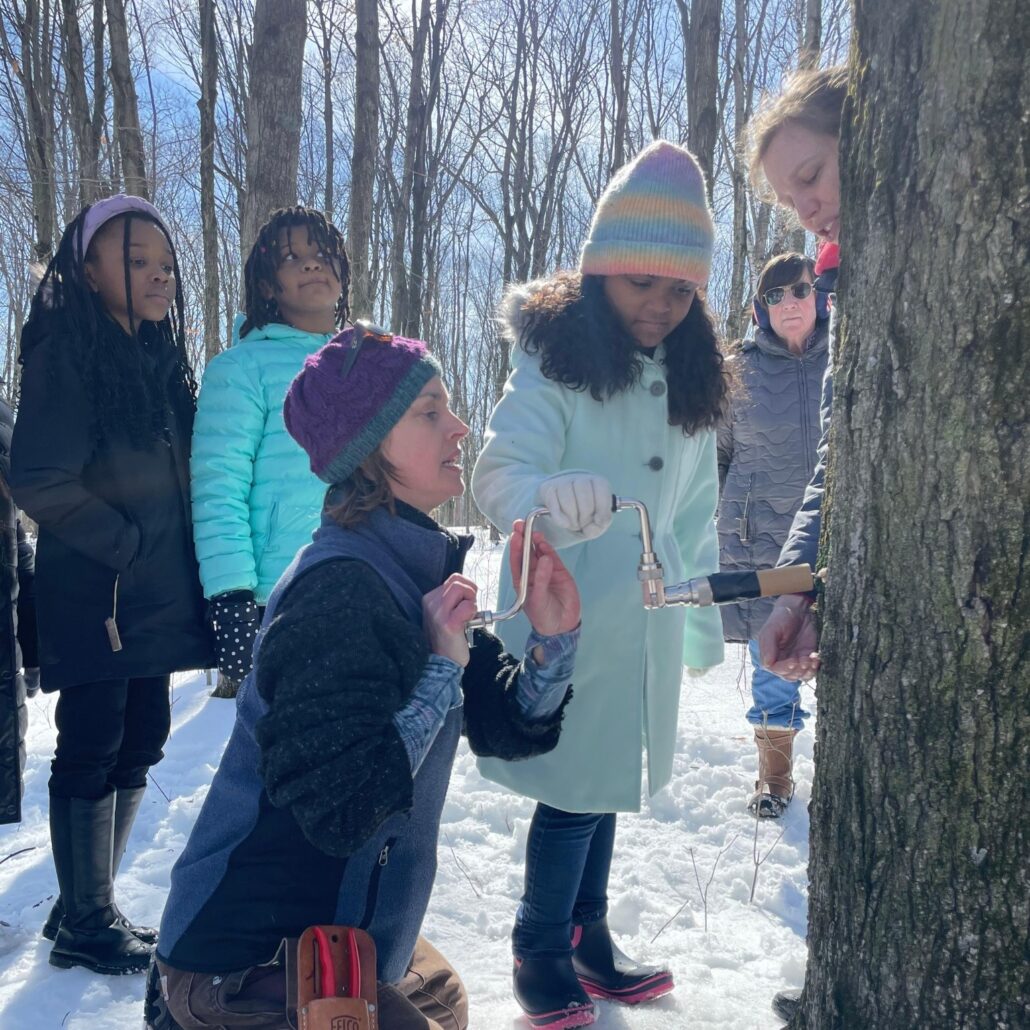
{"x": 693, "y": 841}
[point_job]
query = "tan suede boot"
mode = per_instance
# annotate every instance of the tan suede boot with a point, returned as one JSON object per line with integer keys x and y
{"x": 775, "y": 784}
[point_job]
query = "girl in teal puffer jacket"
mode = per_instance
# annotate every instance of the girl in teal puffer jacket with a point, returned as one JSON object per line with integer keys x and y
{"x": 255, "y": 500}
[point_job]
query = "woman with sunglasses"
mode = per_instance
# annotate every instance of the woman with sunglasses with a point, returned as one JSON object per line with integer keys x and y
{"x": 767, "y": 450}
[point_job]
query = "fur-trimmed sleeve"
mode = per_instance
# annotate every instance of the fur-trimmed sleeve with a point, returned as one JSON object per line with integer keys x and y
{"x": 494, "y": 723}
{"x": 336, "y": 663}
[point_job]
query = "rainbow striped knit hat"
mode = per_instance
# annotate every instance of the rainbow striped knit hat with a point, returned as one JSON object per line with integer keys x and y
{"x": 653, "y": 219}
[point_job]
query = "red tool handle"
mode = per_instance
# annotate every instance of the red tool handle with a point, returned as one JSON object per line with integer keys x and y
{"x": 326, "y": 973}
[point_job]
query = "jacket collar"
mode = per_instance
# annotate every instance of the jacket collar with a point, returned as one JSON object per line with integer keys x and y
{"x": 426, "y": 551}
{"x": 768, "y": 342}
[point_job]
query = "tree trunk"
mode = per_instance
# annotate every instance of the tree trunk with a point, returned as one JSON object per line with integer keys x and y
{"x": 811, "y": 34}
{"x": 918, "y": 911}
{"x": 273, "y": 112}
{"x": 208, "y": 216}
{"x": 620, "y": 121}
{"x": 36, "y": 124}
{"x": 87, "y": 135}
{"x": 701, "y": 24}
{"x": 737, "y": 319}
{"x": 363, "y": 160}
{"x": 126, "y": 107}
{"x": 415, "y": 126}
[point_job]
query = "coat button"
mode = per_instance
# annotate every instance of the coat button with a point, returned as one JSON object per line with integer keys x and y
{"x": 656, "y": 464}
{"x": 657, "y": 388}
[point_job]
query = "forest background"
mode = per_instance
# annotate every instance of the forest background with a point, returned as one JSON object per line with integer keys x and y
{"x": 490, "y": 127}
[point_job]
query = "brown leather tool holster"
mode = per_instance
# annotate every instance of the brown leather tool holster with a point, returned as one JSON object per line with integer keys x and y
{"x": 336, "y": 979}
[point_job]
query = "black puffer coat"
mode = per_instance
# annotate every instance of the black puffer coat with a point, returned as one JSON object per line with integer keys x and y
{"x": 767, "y": 450}
{"x": 15, "y": 575}
{"x": 115, "y": 534}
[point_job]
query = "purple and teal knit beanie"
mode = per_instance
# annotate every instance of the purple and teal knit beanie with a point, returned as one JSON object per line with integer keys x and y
{"x": 341, "y": 405}
{"x": 653, "y": 219}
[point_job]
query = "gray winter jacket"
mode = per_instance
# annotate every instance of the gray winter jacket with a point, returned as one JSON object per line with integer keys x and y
{"x": 767, "y": 451}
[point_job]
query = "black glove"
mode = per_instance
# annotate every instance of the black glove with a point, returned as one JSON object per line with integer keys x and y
{"x": 235, "y": 619}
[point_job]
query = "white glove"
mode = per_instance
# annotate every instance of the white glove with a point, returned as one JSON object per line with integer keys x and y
{"x": 579, "y": 502}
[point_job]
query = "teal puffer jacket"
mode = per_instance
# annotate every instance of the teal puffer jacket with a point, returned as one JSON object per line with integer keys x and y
{"x": 256, "y": 501}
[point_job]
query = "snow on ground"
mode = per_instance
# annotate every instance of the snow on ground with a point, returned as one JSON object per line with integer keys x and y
{"x": 693, "y": 841}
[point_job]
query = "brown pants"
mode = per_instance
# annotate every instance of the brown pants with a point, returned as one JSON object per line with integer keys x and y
{"x": 430, "y": 997}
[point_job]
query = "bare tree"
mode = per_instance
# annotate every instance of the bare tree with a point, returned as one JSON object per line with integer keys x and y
{"x": 208, "y": 215}
{"x": 919, "y": 904}
{"x": 126, "y": 108}
{"x": 32, "y": 109}
{"x": 701, "y": 25}
{"x": 273, "y": 112}
{"x": 87, "y": 120}
{"x": 811, "y": 34}
{"x": 363, "y": 156}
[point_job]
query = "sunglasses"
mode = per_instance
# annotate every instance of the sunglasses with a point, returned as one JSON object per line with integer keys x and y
{"x": 799, "y": 290}
{"x": 363, "y": 332}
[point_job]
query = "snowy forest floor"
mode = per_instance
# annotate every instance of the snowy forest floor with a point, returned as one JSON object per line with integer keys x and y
{"x": 690, "y": 854}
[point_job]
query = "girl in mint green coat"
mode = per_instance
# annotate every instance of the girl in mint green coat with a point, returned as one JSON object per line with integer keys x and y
{"x": 255, "y": 500}
{"x": 616, "y": 387}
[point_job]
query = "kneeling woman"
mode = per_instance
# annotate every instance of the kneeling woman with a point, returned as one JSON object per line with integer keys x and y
{"x": 326, "y": 805}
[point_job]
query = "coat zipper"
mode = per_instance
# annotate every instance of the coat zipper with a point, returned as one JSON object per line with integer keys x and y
{"x": 373, "y": 883}
{"x": 742, "y": 523}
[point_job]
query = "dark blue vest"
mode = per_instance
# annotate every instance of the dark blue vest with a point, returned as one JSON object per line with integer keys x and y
{"x": 385, "y": 886}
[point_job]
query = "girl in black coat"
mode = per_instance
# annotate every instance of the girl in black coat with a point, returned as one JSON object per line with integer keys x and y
{"x": 100, "y": 460}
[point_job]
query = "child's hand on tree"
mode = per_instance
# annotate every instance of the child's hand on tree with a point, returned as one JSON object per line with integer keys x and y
{"x": 552, "y": 600}
{"x": 445, "y": 611}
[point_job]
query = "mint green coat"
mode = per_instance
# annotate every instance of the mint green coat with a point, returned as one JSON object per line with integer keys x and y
{"x": 256, "y": 501}
{"x": 630, "y": 662}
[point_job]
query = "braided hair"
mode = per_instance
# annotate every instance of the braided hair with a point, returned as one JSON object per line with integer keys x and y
{"x": 262, "y": 264}
{"x": 126, "y": 399}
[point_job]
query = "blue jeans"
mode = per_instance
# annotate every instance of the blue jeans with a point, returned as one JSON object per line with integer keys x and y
{"x": 777, "y": 702}
{"x": 568, "y": 858}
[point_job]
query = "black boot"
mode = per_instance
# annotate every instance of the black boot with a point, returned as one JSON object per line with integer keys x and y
{"x": 605, "y": 972}
{"x": 550, "y": 994}
{"x": 786, "y": 1004}
{"x": 126, "y": 806}
{"x": 90, "y": 935}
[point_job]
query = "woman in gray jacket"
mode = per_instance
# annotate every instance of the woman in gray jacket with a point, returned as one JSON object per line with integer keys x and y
{"x": 767, "y": 450}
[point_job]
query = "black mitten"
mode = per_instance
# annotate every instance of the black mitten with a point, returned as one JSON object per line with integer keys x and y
{"x": 235, "y": 618}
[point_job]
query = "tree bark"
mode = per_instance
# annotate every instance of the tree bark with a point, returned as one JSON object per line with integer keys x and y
{"x": 701, "y": 22}
{"x": 273, "y": 112}
{"x": 918, "y": 910}
{"x": 363, "y": 160}
{"x": 208, "y": 216}
{"x": 34, "y": 70}
{"x": 811, "y": 34}
{"x": 126, "y": 107}
{"x": 620, "y": 120}
{"x": 415, "y": 127}
{"x": 84, "y": 129}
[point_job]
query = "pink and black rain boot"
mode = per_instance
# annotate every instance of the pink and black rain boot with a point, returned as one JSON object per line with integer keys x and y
{"x": 607, "y": 973}
{"x": 550, "y": 994}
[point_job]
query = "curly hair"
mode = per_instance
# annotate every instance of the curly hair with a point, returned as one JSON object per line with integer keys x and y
{"x": 262, "y": 265}
{"x": 126, "y": 399}
{"x": 582, "y": 344}
{"x": 812, "y": 98}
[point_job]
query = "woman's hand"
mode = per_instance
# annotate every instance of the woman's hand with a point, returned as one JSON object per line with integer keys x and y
{"x": 552, "y": 600}
{"x": 787, "y": 642}
{"x": 445, "y": 611}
